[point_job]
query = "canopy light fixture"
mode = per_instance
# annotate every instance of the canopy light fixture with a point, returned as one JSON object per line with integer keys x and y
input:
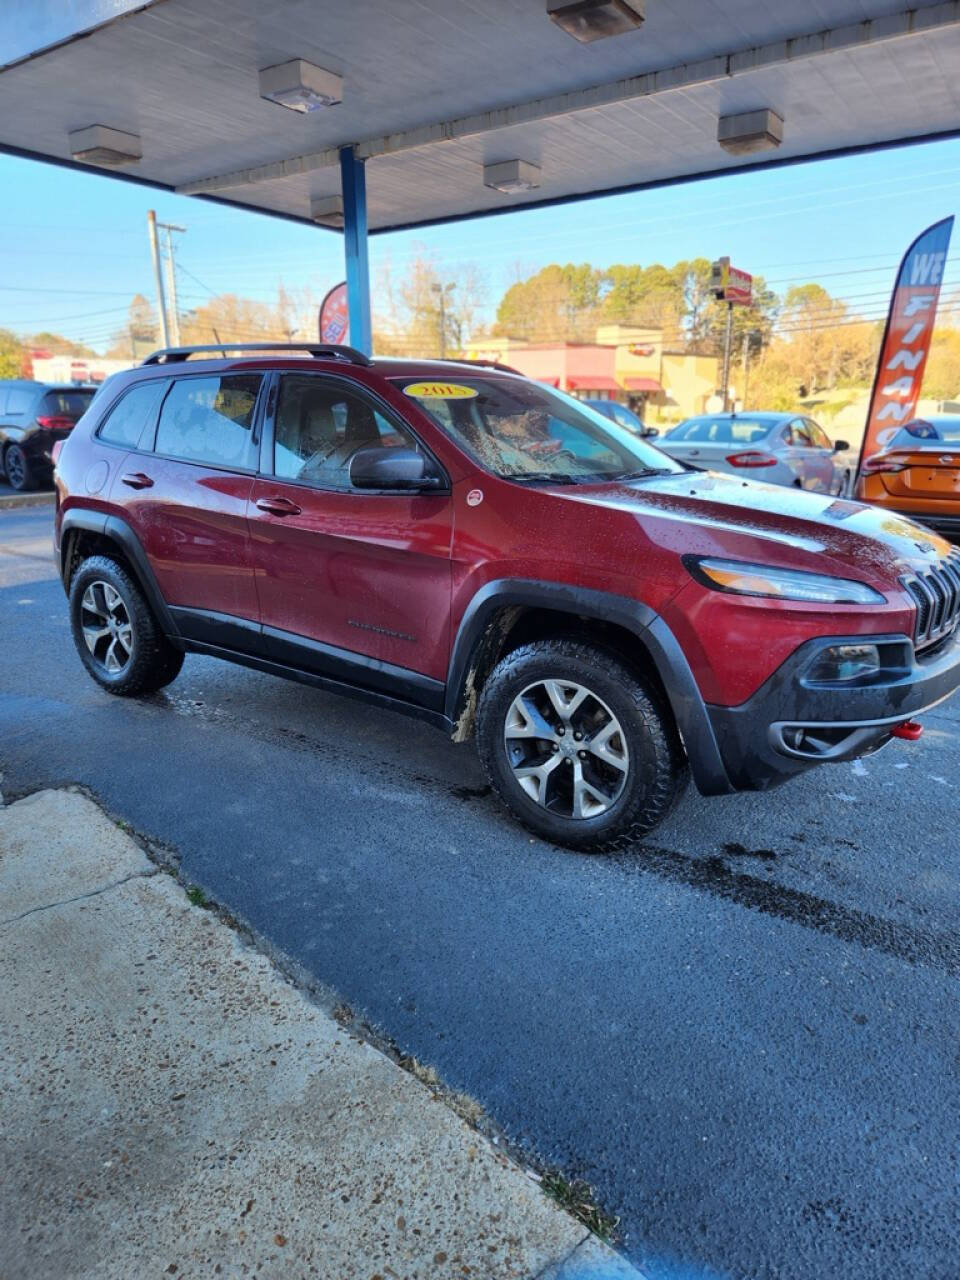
{"x": 750, "y": 131}
{"x": 511, "y": 176}
{"x": 99, "y": 144}
{"x": 301, "y": 86}
{"x": 588, "y": 20}
{"x": 327, "y": 210}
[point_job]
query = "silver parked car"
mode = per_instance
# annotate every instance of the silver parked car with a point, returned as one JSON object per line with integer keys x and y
{"x": 781, "y": 448}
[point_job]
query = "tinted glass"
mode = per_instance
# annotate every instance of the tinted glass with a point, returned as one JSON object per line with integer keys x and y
{"x": 927, "y": 432}
{"x": 132, "y": 413}
{"x": 320, "y": 426}
{"x": 210, "y": 419}
{"x": 721, "y": 430}
{"x": 66, "y": 404}
{"x": 801, "y": 435}
{"x": 523, "y": 430}
{"x": 626, "y": 418}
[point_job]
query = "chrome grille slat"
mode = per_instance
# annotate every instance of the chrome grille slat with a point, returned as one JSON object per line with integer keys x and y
{"x": 936, "y": 593}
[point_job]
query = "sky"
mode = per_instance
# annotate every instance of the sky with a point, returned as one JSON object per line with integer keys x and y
{"x": 74, "y": 247}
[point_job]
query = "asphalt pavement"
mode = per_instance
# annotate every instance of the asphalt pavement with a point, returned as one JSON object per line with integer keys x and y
{"x": 743, "y": 1033}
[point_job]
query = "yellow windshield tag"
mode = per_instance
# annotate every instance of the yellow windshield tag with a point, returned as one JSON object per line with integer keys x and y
{"x": 440, "y": 391}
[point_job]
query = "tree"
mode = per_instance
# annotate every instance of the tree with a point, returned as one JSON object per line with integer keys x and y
{"x": 941, "y": 379}
{"x": 12, "y": 355}
{"x": 57, "y": 345}
{"x": 558, "y": 304}
{"x": 140, "y": 335}
{"x": 426, "y": 312}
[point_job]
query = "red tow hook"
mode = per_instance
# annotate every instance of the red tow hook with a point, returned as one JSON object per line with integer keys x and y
{"x": 910, "y": 730}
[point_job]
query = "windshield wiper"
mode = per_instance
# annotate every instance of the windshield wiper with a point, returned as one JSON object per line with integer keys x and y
{"x": 641, "y": 474}
{"x": 545, "y": 477}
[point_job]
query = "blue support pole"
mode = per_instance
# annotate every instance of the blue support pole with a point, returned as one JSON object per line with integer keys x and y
{"x": 353, "y": 184}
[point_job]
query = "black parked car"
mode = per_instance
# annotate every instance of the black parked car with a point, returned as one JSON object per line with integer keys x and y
{"x": 33, "y": 417}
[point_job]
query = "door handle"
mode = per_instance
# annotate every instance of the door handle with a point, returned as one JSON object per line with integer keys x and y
{"x": 278, "y": 506}
{"x": 137, "y": 480}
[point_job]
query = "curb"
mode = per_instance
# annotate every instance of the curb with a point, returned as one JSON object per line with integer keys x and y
{"x": 13, "y": 500}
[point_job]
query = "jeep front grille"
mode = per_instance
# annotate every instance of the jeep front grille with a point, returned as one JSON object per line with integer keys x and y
{"x": 936, "y": 593}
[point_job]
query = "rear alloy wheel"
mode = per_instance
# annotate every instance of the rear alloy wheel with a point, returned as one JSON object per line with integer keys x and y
{"x": 17, "y": 467}
{"x": 578, "y": 745}
{"x": 115, "y": 632}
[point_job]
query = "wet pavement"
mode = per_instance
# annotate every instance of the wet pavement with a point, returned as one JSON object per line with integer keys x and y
{"x": 743, "y": 1033}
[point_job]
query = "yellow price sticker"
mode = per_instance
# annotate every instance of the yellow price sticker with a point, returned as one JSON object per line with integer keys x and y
{"x": 440, "y": 391}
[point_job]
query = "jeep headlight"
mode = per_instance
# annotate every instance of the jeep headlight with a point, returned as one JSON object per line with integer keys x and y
{"x": 779, "y": 584}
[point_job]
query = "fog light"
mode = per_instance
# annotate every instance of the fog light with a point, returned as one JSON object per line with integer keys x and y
{"x": 844, "y": 663}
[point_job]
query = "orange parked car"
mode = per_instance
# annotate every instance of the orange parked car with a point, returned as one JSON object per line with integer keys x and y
{"x": 916, "y": 473}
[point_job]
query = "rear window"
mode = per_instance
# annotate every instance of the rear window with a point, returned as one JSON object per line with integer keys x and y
{"x": 928, "y": 431}
{"x": 209, "y": 419}
{"x": 66, "y": 404}
{"x": 133, "y": 413}
{"x": 721, "y": 431}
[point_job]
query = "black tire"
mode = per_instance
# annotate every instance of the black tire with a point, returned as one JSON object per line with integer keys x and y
{"x": 151, "y": 661}
{"x": 656, "y": 772}
{"x": 16, "y": 464}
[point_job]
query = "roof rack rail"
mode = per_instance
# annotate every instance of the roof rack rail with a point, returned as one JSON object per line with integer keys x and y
{"x": 488, "y": 364}
{"x": 175, "y": 355}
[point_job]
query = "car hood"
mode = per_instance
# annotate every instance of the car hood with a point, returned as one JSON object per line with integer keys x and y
{"x": 739, "y": 517}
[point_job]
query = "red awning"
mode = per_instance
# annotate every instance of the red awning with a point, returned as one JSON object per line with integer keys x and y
{"x": 550, "y": 382}
{"x": 641, "y": 384}
{"x": 592, "y": 382}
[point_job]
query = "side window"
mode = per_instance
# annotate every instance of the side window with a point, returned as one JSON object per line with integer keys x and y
{"x": 319, "y": 426}
{"x": 209, "y": 419}
{"x": 801, "y": 434}
{"x": 18, "y": 402}
{"x": 133, "y": 415}
{"x": 818, "y": 436}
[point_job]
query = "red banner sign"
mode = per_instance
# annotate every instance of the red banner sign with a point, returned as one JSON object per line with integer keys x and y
{"x": 334, "y": 320}
{"x": 906, "y": 340}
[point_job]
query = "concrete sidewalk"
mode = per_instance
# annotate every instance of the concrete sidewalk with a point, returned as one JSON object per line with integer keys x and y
{"x": 171, "y": 1106}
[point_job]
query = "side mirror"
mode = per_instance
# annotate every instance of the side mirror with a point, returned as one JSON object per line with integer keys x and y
{"x": 840, "y": 446}
{"x": 650, "y": 433}
{"x": 382, "y": 467}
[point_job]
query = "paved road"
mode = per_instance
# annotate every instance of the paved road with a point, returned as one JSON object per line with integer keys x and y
{"x": 744, "y": 1033}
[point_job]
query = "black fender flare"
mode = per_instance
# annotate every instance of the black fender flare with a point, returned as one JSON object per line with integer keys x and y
{"x": 117, "y": 530}
{"x": 653, "y": 635}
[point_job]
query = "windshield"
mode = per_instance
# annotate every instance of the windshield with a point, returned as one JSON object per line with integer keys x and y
{"x": 524, "y": 431}
{"x": 722, "y": 430}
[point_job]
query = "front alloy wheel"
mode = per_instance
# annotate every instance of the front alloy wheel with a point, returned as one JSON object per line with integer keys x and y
{"x": 106, "y": 627}
{"x": 566, "y": 748}
{"x": 578, "y": 744}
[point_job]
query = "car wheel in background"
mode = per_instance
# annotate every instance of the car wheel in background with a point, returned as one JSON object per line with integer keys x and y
{"x": 116, "y": 634}
{"x": 17, "y": 467}
{"x": 578, "y": 746}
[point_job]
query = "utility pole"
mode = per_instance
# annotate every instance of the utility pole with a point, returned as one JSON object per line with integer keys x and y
{"x": 167, "y": 228}
{"x": 745, "y": 360}
{"x": 727, "y": 339}
{"x": 442, "y": 291}
{"x": 158, "y": 277}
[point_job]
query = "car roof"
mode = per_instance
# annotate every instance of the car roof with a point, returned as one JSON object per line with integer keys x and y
{"x": 747, "y": 416}
{"x": 385, "y": 366}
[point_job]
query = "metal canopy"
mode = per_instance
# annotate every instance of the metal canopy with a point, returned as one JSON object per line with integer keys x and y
{"x": 435, "y": 89}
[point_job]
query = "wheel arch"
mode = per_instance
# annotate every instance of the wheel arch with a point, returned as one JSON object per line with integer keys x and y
{"x": 87, "y": 533}
{"x": 508, "y": 612}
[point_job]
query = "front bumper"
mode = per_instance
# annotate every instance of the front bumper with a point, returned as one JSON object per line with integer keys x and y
{"x": 789, "y": 725}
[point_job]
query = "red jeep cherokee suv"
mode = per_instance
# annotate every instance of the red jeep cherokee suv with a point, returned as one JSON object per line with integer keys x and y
{"x": 457, "y": 542}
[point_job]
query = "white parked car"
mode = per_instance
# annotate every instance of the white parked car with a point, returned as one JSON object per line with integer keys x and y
{"x": 781, "y": 448}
